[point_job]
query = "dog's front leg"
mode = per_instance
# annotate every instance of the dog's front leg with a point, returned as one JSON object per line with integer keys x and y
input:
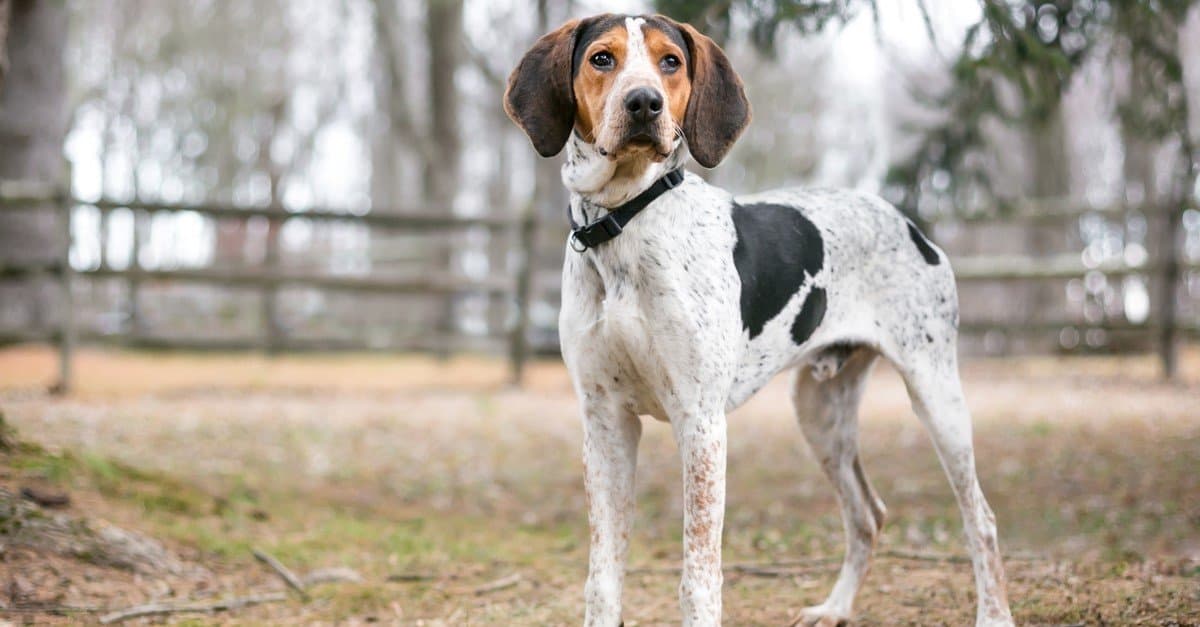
{"x": 610, "y": 440}
{"x": 702, "y": 441}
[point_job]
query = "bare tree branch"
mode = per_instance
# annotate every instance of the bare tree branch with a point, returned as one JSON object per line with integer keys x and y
{"x": 478, "y": 59}
{"x": 929, "y": 30}
{"x": 399, "y": 113}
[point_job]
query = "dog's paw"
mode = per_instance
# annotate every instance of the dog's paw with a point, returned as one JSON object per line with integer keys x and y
{"x": 820, "y": 616}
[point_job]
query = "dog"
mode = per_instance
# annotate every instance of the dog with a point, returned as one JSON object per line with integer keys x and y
{"x": 680, "y": 301}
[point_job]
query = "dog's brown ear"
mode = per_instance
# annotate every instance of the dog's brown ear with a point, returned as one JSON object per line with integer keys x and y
{"x": 540, "y": 97}
{"x": 717, "y": 110}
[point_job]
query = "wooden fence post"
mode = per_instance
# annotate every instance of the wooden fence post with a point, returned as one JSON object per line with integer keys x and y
{"x": 270, "y": 328}
{"x": 135, "y": 271}
{"x": 518, "y": 341}
{"x": 66, "y": 330}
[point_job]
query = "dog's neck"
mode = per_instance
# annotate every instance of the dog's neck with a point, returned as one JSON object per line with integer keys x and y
{"x": 599, "y": 184}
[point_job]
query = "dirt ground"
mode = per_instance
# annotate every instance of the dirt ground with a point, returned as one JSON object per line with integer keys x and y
{"x": 459, "y": 500}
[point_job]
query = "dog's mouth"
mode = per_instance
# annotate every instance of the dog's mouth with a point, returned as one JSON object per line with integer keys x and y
{"x": 642, "y": 138}
{"x": 641, "y": 141}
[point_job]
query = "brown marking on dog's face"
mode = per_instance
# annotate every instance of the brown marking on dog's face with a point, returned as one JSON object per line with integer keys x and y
{"x": 620, "y": 59}
{"x": 676, "y": 84}
{"x": 593, "y": 84}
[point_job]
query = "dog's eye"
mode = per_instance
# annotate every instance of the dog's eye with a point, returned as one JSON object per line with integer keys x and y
{"x": 670, "y": 64}
{"x": 603, "y": 60}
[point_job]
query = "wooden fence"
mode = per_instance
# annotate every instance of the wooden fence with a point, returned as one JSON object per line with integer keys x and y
{"x": 1165, "y": 264}
{"x": 17, "y": 196}
{"x": 517, "y": 290}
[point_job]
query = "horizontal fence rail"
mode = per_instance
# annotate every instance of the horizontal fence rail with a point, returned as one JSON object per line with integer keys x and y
{"x": 234, "y": 277}
{"x": 407, "y": 221}
{"x": 24, "y": 196}
{"x": 1015, "y": 268}
{"x": 1049, "y": 210}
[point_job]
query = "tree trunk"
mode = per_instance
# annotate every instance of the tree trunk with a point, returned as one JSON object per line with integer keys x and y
{"x": 271, "y": 326}
{"x": 444, "y": 31}
{"x": 1183, "y": 184}
{"x": 5, "y": 11}
{"x": 400, "y": 148}
{"x": 32, "y": 123}
{"x": 549, "y": 198}
{"x": 500, "y": 197}
{"x": 391, "y": 123}
{"x": 443, "y": 27}
{"x": 1140, "y": 171}
{"x": 1141, "y": 187}
{"x": 1051, "y": 175}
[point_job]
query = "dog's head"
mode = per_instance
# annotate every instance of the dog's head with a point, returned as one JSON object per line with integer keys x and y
{"x": 631, "y": 86}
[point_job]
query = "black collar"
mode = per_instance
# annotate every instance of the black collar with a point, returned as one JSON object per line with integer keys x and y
{"x": 603, "y": 229}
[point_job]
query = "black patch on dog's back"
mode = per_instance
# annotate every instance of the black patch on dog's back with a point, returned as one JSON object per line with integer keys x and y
{"x": 777, "y": 249}
{"x": 810, "y": 316}
{"x": 923, "y": 245}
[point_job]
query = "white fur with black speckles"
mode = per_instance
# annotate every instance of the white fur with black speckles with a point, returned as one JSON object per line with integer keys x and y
{"x": 651, "y": 325}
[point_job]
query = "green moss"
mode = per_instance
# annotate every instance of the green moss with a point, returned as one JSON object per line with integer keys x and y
{"x": 8, "y": 436}
{"x": 152, "y": 492}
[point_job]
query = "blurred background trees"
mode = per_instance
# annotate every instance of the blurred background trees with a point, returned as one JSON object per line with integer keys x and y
{"x": 949, "y": 109}
{"x": 32, "y": 120}
{"x": 993, "y": 128}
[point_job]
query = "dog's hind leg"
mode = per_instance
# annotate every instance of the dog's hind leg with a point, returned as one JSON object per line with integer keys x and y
{"x": 931, "y": 375}
{"x": 828, "y": 413}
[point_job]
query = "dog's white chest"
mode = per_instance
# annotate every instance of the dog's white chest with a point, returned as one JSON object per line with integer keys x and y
{"x": 656, "y": 309}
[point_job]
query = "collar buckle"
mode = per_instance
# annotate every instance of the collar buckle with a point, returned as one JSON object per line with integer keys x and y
{"x": 612, "y": 224}
{"x": 598, "y": 232}
{"x": 575, "y": 244}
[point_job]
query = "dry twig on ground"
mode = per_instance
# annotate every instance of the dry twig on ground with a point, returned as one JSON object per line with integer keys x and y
{"x": 411, "y": 577}
{"x": 499, "y": 584}
{"x": 160, "y": 609}
{"x": 284, "y": 573}
{"x": 331, "y": 575}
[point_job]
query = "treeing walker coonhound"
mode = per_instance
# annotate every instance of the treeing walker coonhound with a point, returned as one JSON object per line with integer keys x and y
{"x": 680, "y": 301}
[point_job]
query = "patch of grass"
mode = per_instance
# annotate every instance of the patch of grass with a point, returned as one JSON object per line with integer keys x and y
{"x": 1041, "y": 428}
{"x": 152, "y": 492}
{"x": 35, "y": 461}
{"x": 212, "y": 539}
{"x": 350, "y": 599}
{"x": 338, "y": 534}
{"x": 8, "y": 435}
{"x": 1047, "y": 609}
{"x": 191, "y": 621}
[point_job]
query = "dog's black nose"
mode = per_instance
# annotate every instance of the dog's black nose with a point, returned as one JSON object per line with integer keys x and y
{"x": 643, "y": 104}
